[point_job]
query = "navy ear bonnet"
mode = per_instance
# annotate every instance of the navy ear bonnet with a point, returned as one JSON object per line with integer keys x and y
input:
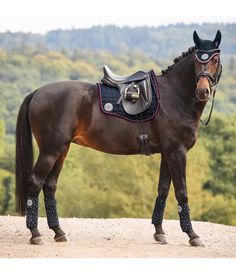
{"x": 204, "y": 56}
{"x": 206, "y": 49}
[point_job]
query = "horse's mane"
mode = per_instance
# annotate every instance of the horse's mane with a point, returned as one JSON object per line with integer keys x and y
{"x": 177, "y": 59}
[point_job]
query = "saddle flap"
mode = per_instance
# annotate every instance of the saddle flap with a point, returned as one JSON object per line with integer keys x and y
{"x": 145, "y": 87}
{"x": 140, "y": 105}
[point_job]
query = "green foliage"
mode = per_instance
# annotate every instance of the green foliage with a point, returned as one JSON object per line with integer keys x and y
{"x": 219, "y": 209}
{"x": 221, "y": 143}
{"x": 2, "y": 129}
{"x": 2, "y": 135}
{"x": 6, "y": 192}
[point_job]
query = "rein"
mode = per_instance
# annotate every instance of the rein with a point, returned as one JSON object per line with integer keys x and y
{"x": 206, "y": 122}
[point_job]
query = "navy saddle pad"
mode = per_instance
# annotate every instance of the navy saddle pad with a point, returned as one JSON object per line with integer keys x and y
{"x": 109, "y": 96}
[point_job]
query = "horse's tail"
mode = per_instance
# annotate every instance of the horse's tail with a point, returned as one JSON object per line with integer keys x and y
{"x": 24, "y": 155}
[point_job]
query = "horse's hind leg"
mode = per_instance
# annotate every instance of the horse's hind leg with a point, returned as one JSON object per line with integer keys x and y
{"x": 41, "y": 170}
{"x": 49, "y": 189}
{"x": 163, "y": 190}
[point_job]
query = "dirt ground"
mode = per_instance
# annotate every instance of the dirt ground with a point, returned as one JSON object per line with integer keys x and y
{"x": 114, "y": 238}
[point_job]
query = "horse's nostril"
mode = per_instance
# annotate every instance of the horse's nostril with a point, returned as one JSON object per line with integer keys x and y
{"x": 206, "y": 92}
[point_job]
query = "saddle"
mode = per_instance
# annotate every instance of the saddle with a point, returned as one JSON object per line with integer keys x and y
{"x": 135, "y": 90}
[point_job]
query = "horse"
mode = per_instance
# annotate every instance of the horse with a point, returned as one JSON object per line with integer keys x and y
{"x": 62, "y": 113}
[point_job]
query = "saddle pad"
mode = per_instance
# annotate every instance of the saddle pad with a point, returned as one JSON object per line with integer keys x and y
{"x": 108, "y": 97}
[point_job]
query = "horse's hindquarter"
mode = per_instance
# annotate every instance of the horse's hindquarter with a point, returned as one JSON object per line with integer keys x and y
{"x": 53, "y": 112}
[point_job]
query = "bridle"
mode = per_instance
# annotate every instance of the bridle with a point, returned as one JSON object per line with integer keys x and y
{"x": 204, "y": 58}
{"x": 213, "y": 79}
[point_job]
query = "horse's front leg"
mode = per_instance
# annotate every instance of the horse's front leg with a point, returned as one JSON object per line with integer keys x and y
{"x": 158, "y": 211}
{"x": 177, "y": 167}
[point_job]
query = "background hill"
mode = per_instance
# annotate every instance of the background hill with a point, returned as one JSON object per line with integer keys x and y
{"x": 28, "y": 61}
{"x": 159, "y": 42}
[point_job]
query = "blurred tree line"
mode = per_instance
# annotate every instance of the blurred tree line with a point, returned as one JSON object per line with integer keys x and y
{"x": 93, "y": 184}
{"x": 162, "y": 41}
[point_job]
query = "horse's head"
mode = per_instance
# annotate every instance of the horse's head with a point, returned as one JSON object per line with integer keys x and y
{"x": 207, "y": 63}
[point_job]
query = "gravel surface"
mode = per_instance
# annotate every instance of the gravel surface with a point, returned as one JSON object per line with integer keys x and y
{"x": 114, "y": 238}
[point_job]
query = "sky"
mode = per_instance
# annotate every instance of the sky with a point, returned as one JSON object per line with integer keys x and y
{"x": 44, "y": 15}
{"x": 42, "y": 24}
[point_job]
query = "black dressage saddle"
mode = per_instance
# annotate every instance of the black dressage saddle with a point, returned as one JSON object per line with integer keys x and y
{"x": 135, "y": 90}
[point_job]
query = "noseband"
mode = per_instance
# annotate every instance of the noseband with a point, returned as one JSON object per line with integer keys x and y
{"x": 213, "y": 79}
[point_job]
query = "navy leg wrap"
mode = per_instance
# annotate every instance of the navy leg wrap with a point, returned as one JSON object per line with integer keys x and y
{"x": 184, "y": 217}
{"x": 32, "y": 212}
{"x": 158, "y": 212}
{"x": 51, "y": 210}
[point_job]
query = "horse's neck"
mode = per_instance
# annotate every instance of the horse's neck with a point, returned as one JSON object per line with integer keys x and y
{"x": 179, "y": 93}
{"x": 182, "y": 77}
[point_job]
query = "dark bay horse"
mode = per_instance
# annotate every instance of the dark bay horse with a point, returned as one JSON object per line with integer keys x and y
{"x": 64, "y": 112}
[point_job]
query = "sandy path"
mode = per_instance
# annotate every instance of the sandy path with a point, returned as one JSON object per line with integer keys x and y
{"x": 120, "y": 238}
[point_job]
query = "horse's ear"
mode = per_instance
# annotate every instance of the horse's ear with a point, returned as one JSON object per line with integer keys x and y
{"x": 217, "y": 39}
{"x": 196, "y": 39}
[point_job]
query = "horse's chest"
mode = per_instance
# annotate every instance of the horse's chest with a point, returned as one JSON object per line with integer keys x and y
{"x": 187, "y": 136}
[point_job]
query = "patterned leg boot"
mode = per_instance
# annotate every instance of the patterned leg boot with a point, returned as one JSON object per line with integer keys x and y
{"x": 32, "y": 220}
{"x": 52, "y": 218}
{"x": 157, "y": 218}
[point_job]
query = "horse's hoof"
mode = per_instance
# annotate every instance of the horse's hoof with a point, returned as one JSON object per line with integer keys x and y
{"x": 37, "y": 240}
{"x": 196, "y": 242}
{"x": 160, "y": 238}
{"x": 60, "y": 238}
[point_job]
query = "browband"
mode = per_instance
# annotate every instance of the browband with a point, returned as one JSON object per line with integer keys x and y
{"x": 204, "y": 56}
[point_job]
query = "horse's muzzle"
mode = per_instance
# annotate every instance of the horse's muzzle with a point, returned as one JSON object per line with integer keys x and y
{"x": 202, "y": 94}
